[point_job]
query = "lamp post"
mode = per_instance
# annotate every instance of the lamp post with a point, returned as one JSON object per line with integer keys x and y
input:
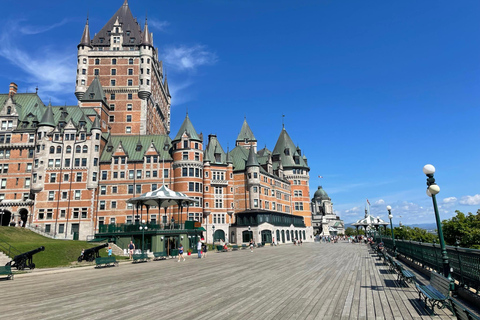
{"x": 432, "y": 190}
{"x": 213, "y": 237}
{"x": 2, "y": 212}
{"x": 143, "y": 227}
{"x": 379, "y": 228}
{"x": 390, "y": 216}
{"x": 250, "y": 235}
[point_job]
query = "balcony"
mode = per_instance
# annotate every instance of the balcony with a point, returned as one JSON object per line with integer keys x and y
{"x": 219, "y": 182}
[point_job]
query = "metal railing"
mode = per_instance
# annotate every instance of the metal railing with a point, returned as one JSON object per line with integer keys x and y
{"x": 464, "y": 262}
{"x": 121, "y": 227}
{"x": 8, "y": 249}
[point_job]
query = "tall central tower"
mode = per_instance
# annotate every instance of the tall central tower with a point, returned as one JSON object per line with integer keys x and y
{"x": 123, "y": 58}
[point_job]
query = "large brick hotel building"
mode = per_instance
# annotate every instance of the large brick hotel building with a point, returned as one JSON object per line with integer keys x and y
{"x": 70, "y": 169}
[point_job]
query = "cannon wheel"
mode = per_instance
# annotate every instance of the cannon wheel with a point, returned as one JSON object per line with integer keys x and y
{"x": 80, "y": 259}
{"x": 32, "y": 266}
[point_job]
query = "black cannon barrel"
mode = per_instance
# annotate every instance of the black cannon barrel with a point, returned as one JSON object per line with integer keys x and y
{"x": 91, "y": 253}
{"x": 24, "y": 260}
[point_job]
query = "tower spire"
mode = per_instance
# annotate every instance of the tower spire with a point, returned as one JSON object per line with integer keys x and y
{"x": 85, "y": 41}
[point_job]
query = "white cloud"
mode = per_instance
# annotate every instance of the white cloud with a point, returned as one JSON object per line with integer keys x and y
{"x": 184, "y": 58}
{"x": 449, "y": 200}
{"x": 159, "y": 25}
{"x": 379, "y": 202}
{"x": 26, "y": 29}
{"x": 470, "y": 200}
{"x": 52, "y": 70}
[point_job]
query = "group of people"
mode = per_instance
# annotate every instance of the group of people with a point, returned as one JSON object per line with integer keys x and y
{"x": 201, "y": 249}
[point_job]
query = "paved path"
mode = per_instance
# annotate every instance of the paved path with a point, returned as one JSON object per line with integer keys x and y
{"x": 313, "y": 281}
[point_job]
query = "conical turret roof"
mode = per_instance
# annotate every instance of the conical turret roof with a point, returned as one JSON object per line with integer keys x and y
{"x": 187, "y": 127}
{"x": 146, "y": 40}
{"x": 287, "y": 150}
{"x": 47, "y": 118}
{"x": 94, "y": 92}
{"x": 96, "y": 123}
{"x": 246, "y": 132}
{"x": 252, "y": 159}
{"x": 85, "y": 41}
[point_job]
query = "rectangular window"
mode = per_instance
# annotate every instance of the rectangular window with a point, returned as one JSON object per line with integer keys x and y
{"x": 112, "y": 83}
{"x": 139, "y": 174}
{"x": 103, "y": 190}
{"x": 165, "y": 173}
{"x": 77, "y": 194}
{"x": 53, "y": 177}
{"x": 154, "y": 173}
{"x": 130, "y": 71}
{"x": 138, "y": 188}
{"x": 64, "y": 194}
{"x": 185, "y": 156}
{"x": 51, "y": 195}
{"x": 128, "y": 129}
{"x": 130, "y": 189}
{"x": 129, "y": 107}
{"x": 27, "y": 182}
{"x": 84, "y": 213}
{"x": 84, "y": 162}
{"x": 102, "y": 205}
{"x": 129, "y": 118}
{"x": 131, "y": 174}
{"x": 114, "y": 189}
{"x": 111, "y": 118}
{"x": 104, "y": 175}
{"x": 114, "y": 204}
{"x": 3, "y": 184}
{"x": 114, "y": 72}
{"x": 129, "y": 96}
{"x": 191, "y": 186}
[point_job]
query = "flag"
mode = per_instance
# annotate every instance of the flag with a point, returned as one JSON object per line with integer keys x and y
{"x": 320, "y": 176}
{"x": 368, "y": 202}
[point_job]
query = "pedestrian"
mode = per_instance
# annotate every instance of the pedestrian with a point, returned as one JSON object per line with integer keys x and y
{"x": 131, "y": 248}
{"x": 109, "y": 250}
{"x": 199, "y": 249}
{"x": 180, "y": 253}
{"x": 204, "y": 250}
{"x": 83, "y": 252}
{"x": 251, "y": 245}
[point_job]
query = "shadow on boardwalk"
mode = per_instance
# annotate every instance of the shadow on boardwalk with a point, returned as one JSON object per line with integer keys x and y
{"x": 313, "y": 281}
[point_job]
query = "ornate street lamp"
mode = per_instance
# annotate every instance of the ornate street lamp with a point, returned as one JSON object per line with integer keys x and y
{"x": 432, "y": 190}
{"x": 143, "y": 227}
{"x": 391, "y": 228}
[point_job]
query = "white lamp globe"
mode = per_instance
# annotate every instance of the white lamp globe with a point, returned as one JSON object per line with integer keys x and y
{"x": 428, "y": 193}
{"x": 429, "y": 169}
{"x": 390, "y": 216}
{"x": 143, "y": 221}
{"x": 389, "y": 208}
{"x": 434, "y": 189}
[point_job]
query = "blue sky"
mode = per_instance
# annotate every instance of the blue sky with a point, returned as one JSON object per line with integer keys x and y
{"x": 371, "y": 90}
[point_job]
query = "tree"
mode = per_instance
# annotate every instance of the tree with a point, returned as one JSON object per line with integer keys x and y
{"x": 414, "y": 234}
{"x": 463, "y": 228}
{"x": 350, "y": 231}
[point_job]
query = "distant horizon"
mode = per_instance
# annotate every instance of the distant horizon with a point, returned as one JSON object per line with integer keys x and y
{"x": 371, "y": 92}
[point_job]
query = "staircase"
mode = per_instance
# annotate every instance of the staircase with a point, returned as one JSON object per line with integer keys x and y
{"x": 40, "y": 231}
{"x": 116, "y": 250}
{"x": 4, "y": 259}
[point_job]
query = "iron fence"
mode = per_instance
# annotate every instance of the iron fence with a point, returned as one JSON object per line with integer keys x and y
{"x": 464, "y": 262}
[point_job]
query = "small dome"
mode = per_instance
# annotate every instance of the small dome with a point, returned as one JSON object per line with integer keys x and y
{"x": 321, "y": 194}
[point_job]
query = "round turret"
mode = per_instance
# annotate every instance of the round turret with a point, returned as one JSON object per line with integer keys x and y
{"x": 321, "y": 194}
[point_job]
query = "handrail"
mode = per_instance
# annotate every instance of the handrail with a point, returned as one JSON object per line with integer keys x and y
{"x": 464, "y": 262}
{"x": 7, "y": 248}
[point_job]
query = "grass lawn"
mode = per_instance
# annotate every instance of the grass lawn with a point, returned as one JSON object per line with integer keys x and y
{"x": 58, "y": 253}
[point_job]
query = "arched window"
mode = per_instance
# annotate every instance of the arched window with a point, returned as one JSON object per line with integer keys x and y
{"x": 59, "y": 149}
{"x": 9, "y": 110}
{"x": 52, "y": 149}
{"x": 78, "y": 149}
{"x": 296, "y": 234}
{"x": 304, "y": 235}
{"x": 85, "y": 149}
{"x": 288, "y": 235}
{"x": 69, "y": 149}
{"x": 291, "y": 234}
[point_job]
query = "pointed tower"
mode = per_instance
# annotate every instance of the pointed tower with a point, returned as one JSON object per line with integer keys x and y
{"x": 82, "y": 54}
{"x": 246, "y": 138}
{"x": 94, "y": 97}
{"x": 124, "y": 59}
{"x": 252, "y": 168}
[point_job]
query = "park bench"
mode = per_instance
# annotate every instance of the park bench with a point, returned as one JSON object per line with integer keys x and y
{"x": 234, "y": 247}
{"x": 435, "y": 293}
{"x": 404, "y": 274}
{"x": 391, "y": 262}
{"x": 140, "y": 257}
{"x": 221, "y": 249}
{"x": 244, "y": 246}
{"x": 174, "y": 253}
{"x": 6, "y": 271}
{"x": 159, "y": 256}
{"x": 461, "y": 312}
{"x": 105, "y": 262}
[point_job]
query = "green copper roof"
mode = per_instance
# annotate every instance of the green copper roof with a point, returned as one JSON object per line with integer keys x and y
{"x": 29, "y": 109}
{"x": 94, "y": 92}
{"x": 287, "y": 151}
{"x": 188, "y": 128}
{"x": 96, "y": 123}
{"x": 130, "y": 143}
{"x": 239, "y": 156}
{"x": 252, "y": 159}
{"x": 321, "y": 194}
{"x": 246, "y": 133}
{"x": 47, "y": 118}
{"x": 213, "y": 148}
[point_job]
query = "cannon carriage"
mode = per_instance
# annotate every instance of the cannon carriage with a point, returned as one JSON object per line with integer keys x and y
{"x": 25, "y": 260}
{"x": 91, "y": 253}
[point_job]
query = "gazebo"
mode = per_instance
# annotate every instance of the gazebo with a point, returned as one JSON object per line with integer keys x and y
{"x": 369, "y": 222}
{"x": 163, "y": 197}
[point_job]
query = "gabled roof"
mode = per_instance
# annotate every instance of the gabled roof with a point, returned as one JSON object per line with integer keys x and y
{"x": 212, "y": 148}
{"x": 94, "y": 92}
{"x": 129, "y": 24}
{"x": 187, "y": 127}
{"x": 129, "y": 144}
{"x": 29, "y": 108}
{"x": 285, "y": 143}
{"x": 246, "y": 132}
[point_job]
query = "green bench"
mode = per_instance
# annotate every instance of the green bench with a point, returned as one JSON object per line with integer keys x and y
{"x": 436, "y": 293}
{"x": 105, "y": 262}
{"x": 234, "y": 247}
{"x": 174, "y": 253}
{"x": 6, "y": 271}
{"x": 140, "y": 257}
{"x": 404, "y": 274}
{"x": 390, "y": 262}
{"x": 244, "y": 246}
{"x": 461, "y": 312}
{"x": 159, "y": 256}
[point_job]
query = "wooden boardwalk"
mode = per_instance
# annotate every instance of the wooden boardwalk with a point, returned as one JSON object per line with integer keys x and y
{"x": 313, "y": 281}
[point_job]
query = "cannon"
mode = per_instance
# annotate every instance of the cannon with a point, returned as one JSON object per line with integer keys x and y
{"x": 92, "y": 253}
{"x": 24, "y": 260}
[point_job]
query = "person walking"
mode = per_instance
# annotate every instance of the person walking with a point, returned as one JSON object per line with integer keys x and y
{"x": 199, "y": 249}
{"x": 109, "y": 250}
{"x": 180, "y": 253}
{"x": 131, "y": 248}
{"x": 204, "y": 250}
{"x": 251, "y": 245}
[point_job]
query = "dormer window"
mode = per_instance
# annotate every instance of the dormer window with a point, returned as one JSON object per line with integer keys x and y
{"x": 92, "y": 95}
{"x": 128, "y": 33}
{"x": 9, "y": 110}
{"x": 109, "y": 149}
{"x": 101, "y": 40}
{"x": 132, "y": 40}
{"x": 287, "y": 151}
{"x": 139, "y": 147}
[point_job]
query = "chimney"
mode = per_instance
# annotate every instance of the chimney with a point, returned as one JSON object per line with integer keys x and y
{"x": 12, "y": 89}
